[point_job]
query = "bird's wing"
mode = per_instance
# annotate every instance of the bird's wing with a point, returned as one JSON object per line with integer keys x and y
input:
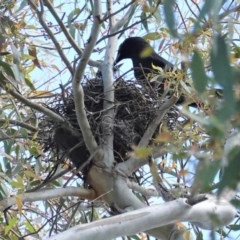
{"x": 159, "y": 61}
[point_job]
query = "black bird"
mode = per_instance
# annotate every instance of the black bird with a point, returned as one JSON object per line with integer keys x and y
{"x": 145, "y": 60}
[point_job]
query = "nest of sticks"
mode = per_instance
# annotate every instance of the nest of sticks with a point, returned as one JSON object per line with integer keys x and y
{"x": 136, "y": 105}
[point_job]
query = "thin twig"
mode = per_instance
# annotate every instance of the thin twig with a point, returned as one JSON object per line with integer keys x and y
{"x": 51, "y": 35}
{"x": 71, "y": 41}
{"x": 131, "y": 165}
{"x": 36, "y": 106}
{"x": 21, "y": 124}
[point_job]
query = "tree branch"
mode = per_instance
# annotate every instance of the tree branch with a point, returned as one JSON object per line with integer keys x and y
{"x": 133, "y": 164}
{"x": 36, "y": 106}
{"x": 114, "y": 189}
{"x": 79, "y": 51}
{"x": 124, "y": 20}
{"x": 155, "y": 123}
{"x": 151, "y": 217}
{"x": 21, "y": 124}
{"x": 51, "y": 35}
{"x": 118, "y": 11}
{"x": 47, "y": 194}
{"x": 109, "y": 115}
{"x": 150, "y": 192}
{"x": 77, "y": 88}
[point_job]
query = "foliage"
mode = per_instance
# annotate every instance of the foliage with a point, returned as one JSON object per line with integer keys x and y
{"x": 43, "y": 42}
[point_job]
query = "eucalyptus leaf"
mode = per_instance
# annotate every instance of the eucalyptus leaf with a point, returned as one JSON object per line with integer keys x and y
{"x": 199, "y": 76}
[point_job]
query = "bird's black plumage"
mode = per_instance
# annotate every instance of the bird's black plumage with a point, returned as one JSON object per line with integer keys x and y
{"x": 143, "y": 57}
{"x": 145, "y": 60}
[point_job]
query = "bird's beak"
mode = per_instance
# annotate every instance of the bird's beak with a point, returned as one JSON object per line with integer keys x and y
{"x": 115, "y": 63}
{"x": 116, "y": 67}
{"x": 118, "y": 59}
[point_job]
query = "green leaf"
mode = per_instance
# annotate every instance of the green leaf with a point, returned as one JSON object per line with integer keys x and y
{"x": 231, "y": 173}
{"x": 210, "y": 9}
{"x": 206, "y": 9}
{"x": 3, "y": 193}
{"x": 30, "y": 227}
{"x": 29, "y": 84}
{"x": 199, "y": 76}
{"x": 169, "y": 16}
{"x": 23, "y": 4}
{"x": 144, "y": 21}
{"x": 235, "y": 227}
{"x": 12, "y": 222}
{"x": 205, "y": 175}
{"x": 75, "y": 13}
{"x": 236, "y": 50}
{"x": 131, "y": 14}
{"x": 199, "y": 236}
{"x": 7, "y": 68}
{"x": 142, "y": 152}
{"x": 236, "y": 203}
{"x": 152, "y": 36}
{"x": 217, "y": 7}
{"x": 150, "y": 2}
{"x": 220, "y": 62}
{"x": 223, "y": 73}
{"x": 215, "y": 127}
{"x": 19, "y": 183}
{"x": 18, "y": 74}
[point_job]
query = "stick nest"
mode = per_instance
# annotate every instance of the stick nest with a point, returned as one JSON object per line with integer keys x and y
{"x": 135, "y": 107}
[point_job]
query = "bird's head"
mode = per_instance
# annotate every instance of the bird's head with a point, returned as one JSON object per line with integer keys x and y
{"x": 134, "y": 48}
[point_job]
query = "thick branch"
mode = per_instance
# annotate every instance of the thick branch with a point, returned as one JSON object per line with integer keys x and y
{"x": 155, "y": 216}
{"x": 47, "y": 194}
{"x": 77, "y": 88}
{"x": 108, "y": 117}
{"x": 128, "y": 223}
{"x": 147, "y": 192}
{"x": 114, "y": 190}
